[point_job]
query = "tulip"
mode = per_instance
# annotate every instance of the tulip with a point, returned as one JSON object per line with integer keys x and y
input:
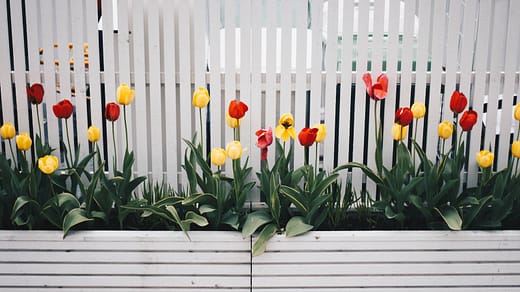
{"x": 48, "y": 164}
{"x": 399, "y": 132}
{"x": 35, "y": 93}
{"x": 285, "y": 129}
{"x": 112, "y": 111}
{"x": 485, "y": 158}
{"x": 265, "y": 138}
{"x": 378, "y": 90}
{"x": 232, "y": 122}
{"x": 234, "y": 150}
{"x": 63, "y": 109}
{"x": 468, "y": 120}
{"x": 7, "y": 131}
{"x": 307, "y": 136}
{"x": 200, "y": 97}
{"x": 517, "y": 112}
{"x": 218, "y": 156}
{"x": 23, "y": 141}
{"x": 93, "y": 134}
{"x": 458, "y": 102}
{"x": 237, "y": 109}
{"x": 125, "y": 94}
{"x": 403, "y": 116}
{"x": 445, "y": 130}
{"x": 515, "y": 149}
{"x": 418, "y": 110}
{"x": 322, "y": 132}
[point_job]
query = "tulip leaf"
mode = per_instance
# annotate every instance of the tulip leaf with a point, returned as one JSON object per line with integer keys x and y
{"x": 192, "y": 217}
{"x": 203, "y": 209}
{"x": 261, "y": 242}
{"x": 297, "y": 226}
{"x": 199, "y": 198}
{"x": 294, "y": 196}
{"x": 73, "y": 218}
{"x": 451, "y": 216}
{"x": 254, "y": 221}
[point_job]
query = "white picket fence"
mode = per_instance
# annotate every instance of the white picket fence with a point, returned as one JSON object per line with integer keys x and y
{"x": 303, "y": 57}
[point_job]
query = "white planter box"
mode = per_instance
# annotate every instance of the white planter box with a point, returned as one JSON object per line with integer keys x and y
{"x": 317, "y": 261}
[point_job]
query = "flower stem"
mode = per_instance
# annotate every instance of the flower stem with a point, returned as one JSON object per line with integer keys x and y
{"x": 201, "y": 133}
{"x": 375, "y": 123}
{"x": 12, "y": 152}
{"x": 126, "y": 127}
{"x": 316, "y": 158}
{"x": 68, "y": 141}
{"x": 415, "y": 140}
{"x": 114, "y": 142}
{"x": 39, "y": 123}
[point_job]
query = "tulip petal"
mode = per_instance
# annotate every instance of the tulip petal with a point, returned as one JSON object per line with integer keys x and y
{"x": 367, "y": 78}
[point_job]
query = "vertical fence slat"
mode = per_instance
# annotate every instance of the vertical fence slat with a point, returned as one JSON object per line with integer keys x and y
{"x": 77, "y": 29}
{"x": 479, "y": 87}
{"x": 199, "y": 51}
{"x": 345, "y": 110}
{"x": 331, "y": 59}
{"x": 316, "y": 69}
{"x": 511, "y": 59}
{"x": 468, "y": 45}
{"x": 392, "y": 60}
{"x": 62, "y": 40}
{"x": 155, "y": 97}
{"x": 408, "y": 45}
{"x": 286, "y": 53}
{"x": 451, "y": 57}
{"x": 256, "y": 57}
{"x": 215, "y": 78}
{"x": 96, "y": 106}
{"x": 230, "y": 61}
{"x": 271, "y": 115}
{"x": 300, "y": 98}
{"x": 170, "y": 95}
{"x": 138, "y": 37}
{"x": 5, "y": 73}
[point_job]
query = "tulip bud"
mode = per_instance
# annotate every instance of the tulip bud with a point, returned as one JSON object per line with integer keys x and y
{"x": 265, "y": 138}
{"x": 125, "y": 94}
{"x": 322, "y": 132}
{"x": 35, "y": 93}
{"x": 517, "y": 112}
{"x": 218, "y": 156}
{"x": 515, "y": 149}
{"x": 307, "y": 136}
{"x": 399, "y": 132}
{"x": 93, "y": 134}
{"x": 23, "y": 141}
{"x": 7, "y": 131}
{"x": 485, "y": 158}
{"x": 458, "y": 102}
{"x": 232, "y": 122}
{"x": 468, "y": 120}
{"x": 418, "y": 110}
{"x": 48, "y": 164}
{"x": 237, "y": 109}
{"x": 200, "y": 97}
{"x": 445, "y": 130}
{"x": 234, "y": 150}
{"x": 112, "y": 111}
{"x": 285, "y": 128}
{"x": 403, "y": 116}
{"x": 63, "y": 109}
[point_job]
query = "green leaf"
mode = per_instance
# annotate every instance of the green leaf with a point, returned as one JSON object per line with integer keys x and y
{"x": 203, "y": 209}
{"x": 369, "y": 172}
{"x": 297, "y": 226}
{"x": 192, "y": 217}
{"x": 73, "y": 218}
{"x": 199, "y": 198}
{"x": 261, "y": 242}
{"x": 294, "y": 196}
{"x": 451, "y": 217}
{"x": 254, "y": 221}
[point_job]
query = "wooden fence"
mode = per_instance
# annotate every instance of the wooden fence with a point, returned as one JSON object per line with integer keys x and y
{"x": 303, "y": 57}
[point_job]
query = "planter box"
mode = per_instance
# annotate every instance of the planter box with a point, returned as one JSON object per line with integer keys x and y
{"x": 317, "y": 261}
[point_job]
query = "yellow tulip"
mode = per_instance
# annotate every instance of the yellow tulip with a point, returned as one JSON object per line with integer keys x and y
{"x": 232, "y": 122}
{"x": 418, "y": 110}
{"x": 445, "y": 129}
{"x": 48, "y": 164}
{"x": 285, "y": 129}
{"x": 485, "y": 158}
{"x": 93, "y": 134}
{"x": 125, "y": 94}
{"x": 399, "y": 132}
{"x": 322, "y": 132}
{"x": 515, "y": 149}
{"x": 517, "y": 112}
{"x": 234, "y": 150}
{"x": 200, "y": 97}
{"x": 23, "y": 141}
{"x": 7, "y": 131}
{"x": 218, "y": 156}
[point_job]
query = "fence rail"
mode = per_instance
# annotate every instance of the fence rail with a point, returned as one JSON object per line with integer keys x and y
{"x": 304, "y": 57}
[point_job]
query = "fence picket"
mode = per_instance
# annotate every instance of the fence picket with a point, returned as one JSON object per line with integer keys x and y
{"x": 271, "y": 105}
{"x": 300, "y": 97}
{"x": 230, "y": 62}
{"x": 256, "y": 119}
{"x": 216, "y": 107}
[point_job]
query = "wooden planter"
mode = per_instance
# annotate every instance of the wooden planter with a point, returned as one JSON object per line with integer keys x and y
{"x": 317, "y": 261}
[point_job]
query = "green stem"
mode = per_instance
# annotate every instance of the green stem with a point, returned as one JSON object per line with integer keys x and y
{"x": 126, "y": 127}
{"x": 306, "y": 155}
{"x": 375, "y": 123}
{"x": 415, "y": 139}
{"x": 68, "y": 141}
{"x": 518, "y": 132}
{"x": 201, "y": 133}
{"x": 236, "y": 186}
{"x": 39, "y": 123}
{"x": 12, "y": 152}
{"x": 115, "y": 148}
{"x": 443, "y": 145}
{"x": 316, "y": 158}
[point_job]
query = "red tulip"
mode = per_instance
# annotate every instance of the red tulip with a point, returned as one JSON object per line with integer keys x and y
{"x": 403, "y": 116}
{"x": 307, "y": 136}
{"x": 265, "y": 138}
{"x": 458, "y": 102}
{"x": 35, "y": 93}
{"x": 237, "y": 109}
{"x": 378, "y": 90}
{"x": 63, "y": 109}
{"x": 112, "y": 111}
{"x": 468, "y": 120}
